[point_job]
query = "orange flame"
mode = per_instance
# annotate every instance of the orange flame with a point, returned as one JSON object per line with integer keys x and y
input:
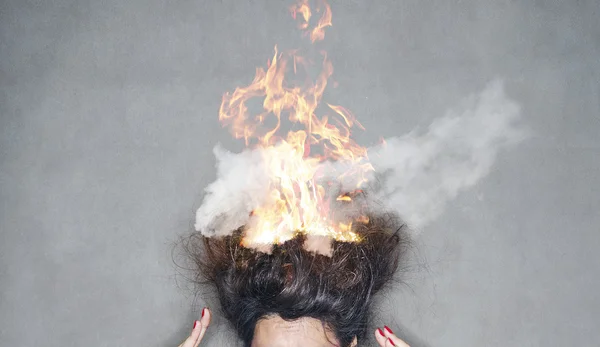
{"x": 296, "y": 202}
{"x": 318, "y": 32}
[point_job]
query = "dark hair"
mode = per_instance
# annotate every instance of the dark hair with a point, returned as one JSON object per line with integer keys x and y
{"x": 292, "y": 282}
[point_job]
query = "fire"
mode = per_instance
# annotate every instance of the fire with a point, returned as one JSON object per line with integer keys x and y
{"x": 297, "y": 202}
{"x": 303, "y": 8}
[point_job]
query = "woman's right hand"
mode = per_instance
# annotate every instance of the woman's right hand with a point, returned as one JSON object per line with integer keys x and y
{"x": 386, "y": 338}
{"x": 198, "y": 330}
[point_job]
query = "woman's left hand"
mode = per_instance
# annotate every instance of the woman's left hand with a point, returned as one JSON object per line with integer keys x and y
{"x": 198, "y": 331}
{"x": 386, "y": 338}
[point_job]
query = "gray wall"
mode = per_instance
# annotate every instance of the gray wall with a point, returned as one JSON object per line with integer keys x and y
{"x": 108, "y": 118}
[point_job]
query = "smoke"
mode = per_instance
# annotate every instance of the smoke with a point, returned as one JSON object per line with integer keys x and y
{"x": 420, "y": 172}
{"x": 416, "y": 175}
{"x": 241, "y": 186}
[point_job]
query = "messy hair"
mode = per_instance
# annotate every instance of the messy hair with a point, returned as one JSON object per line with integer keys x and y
{"x": 292, "y": 282}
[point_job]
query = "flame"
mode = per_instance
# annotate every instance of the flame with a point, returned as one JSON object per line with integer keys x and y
{"x": 303, "y": 8}
{"x": 296, "y": 202}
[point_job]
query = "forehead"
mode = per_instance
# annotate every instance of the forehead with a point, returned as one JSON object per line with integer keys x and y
{"x": 277, "y": 332}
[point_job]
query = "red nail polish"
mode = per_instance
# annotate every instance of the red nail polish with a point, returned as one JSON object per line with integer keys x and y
{"x": 392, "y": 342}
{"x": 380, "y": 331}
{"x": 388, "y": 329}
{"x": 203, "y": 311}
{"x": 195, "y": 323}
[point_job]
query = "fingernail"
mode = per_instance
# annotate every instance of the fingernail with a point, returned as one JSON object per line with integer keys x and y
{"x": 391, "y": 342}
{"x": 195, "y": 323}
{"x": 380, "y": 331}
{"x": 203, "y": 311}
{"x": 388, "y": 329}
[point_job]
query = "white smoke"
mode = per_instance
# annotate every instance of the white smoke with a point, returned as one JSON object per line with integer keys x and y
{"x": 241, "y": 186}
{"x": 421, "y": 172}
{"x": 416, "y": 175}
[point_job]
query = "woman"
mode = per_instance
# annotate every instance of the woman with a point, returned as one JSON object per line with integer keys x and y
{"x": 295, "y": 297}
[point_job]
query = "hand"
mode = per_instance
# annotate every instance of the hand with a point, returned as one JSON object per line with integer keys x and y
{"x": 386, "y": 338}
{"x": 198, "y": 331}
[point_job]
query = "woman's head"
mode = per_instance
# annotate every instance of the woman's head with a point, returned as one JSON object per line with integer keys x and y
{"x": 274, "y": 331}
{"x": 303, "y": 293}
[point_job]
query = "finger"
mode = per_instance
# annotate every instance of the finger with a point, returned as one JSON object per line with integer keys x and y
{"x": 194, "y": 338}
{"x": 198, "y": 331}
{"x": 392, "y": 339}
{"x": 205, "y": 322}
{"x": 380, "y": 337}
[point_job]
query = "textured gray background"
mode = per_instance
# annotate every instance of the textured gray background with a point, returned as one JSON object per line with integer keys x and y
{"x": 108, "y": 116}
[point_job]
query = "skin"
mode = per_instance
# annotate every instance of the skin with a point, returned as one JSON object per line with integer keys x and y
{"x": 276, "y": 332}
